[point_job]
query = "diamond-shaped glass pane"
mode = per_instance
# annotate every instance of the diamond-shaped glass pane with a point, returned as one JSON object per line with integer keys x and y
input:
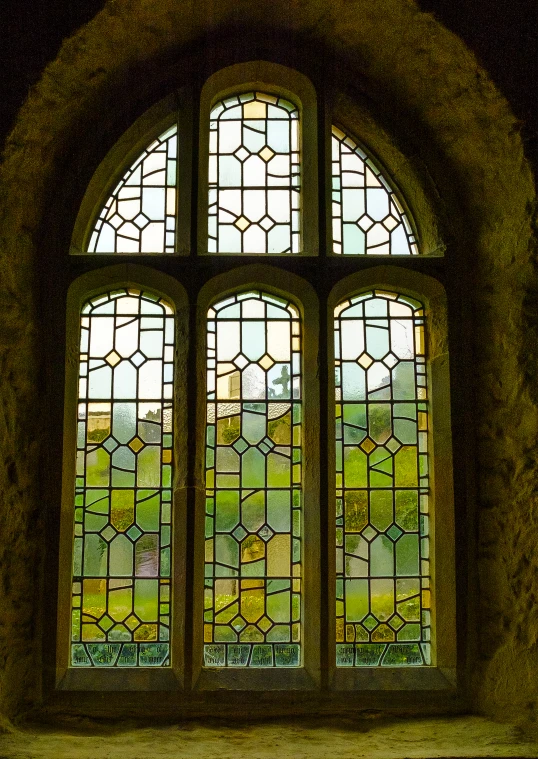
{"x": 393, "y": 445}
{"x": 134, "y": 532}
{"x": 370, "y": 622}
{"x": 390, "y": 360}
{"x": 267, "y": 223}
{"x": 394, "y": 532}
{"x": 365, "y": 361}
{"x": 365, "y": 223}
{"x": 138, "y": 358}
{"x": 266, "y": 533}
{"x": 108, "y": 533}
{"x": 141, "y": 221}
{"x": 239, "y": 623}
{"x": 110, "y": 444}
{"x": 136, "y": 444}
{"x": 239, "y": 533}
{"x": 369, "y": 533}
{"x": 113, "y": 358}
{"x": 240, "y": 445}
{"x": 106, "y": 623}
{"x": 368, "y": 445}
{"x": 241, "y": 361}
{"x": 242, "y": 223}
{"x": 242, "y": 154}
{"x": 266, "y": 153}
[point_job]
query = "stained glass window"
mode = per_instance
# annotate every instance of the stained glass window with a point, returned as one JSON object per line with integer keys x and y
{"x": 140, "y": 214}
{"x": 383, "y": 576}
{"x": 254, "y": 175}
{"x": 121, "y": 569}
{"x": 253, "y": 476}
{"x": 368, "y": 217}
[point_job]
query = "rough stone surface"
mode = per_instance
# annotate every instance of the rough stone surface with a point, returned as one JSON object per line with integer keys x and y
{"x": 346, "y": 739}
{"x": 427, "y": 84}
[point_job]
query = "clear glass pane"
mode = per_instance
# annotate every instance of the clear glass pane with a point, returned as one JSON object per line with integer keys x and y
{"x": 382, "y": 542}
{"x": 253, "y": 552}
{"x": 140, "y": 214}
{"x": 367, "y": 216}
{"x": 254, "y": 175}
{"x": 121, "y": 573}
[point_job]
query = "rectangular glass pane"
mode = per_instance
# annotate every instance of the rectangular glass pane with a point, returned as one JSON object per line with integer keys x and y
{"x": 382, "y": 544}
{"x": 254, "y": 175}
{"x": 253, "y": 550}
{"x": 121, "y": 571}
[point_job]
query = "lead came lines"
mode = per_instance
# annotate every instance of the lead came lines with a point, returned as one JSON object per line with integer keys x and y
{"x": 121, "y": 584}
{"x": 254, "y": 175}
{"x": 383, "y": 584}
{"x": 253, "y": 523}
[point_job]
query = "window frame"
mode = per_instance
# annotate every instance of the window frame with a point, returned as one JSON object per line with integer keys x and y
{"x": 442, "y": 671}
{"x": 271, "y": 280}
{"x": 320, "y": 269}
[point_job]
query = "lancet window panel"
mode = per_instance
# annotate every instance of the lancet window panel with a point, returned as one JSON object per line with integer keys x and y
{"x": 383, "y": 593}
{"x": 254, "y": 175}
{"x": 253, "y": 554}
{"x": 121, "y": 590}
{"x": 140, "y": 214}
{"x": 367, "y": 215}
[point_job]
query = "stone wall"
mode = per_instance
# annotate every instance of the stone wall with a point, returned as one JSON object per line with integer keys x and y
{"x": 425, "y": 83}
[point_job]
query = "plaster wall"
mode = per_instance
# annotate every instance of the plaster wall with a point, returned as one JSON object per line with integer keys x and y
{"x": 458, "y": 130}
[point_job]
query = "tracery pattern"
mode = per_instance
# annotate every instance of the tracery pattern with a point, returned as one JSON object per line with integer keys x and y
{"x": 254, "y": 175}
{"x": 121, "y": 569}
{"x": 383, "y": 574}
{"x": 368, "y": 218}
{"x": 140, "y": 214}
{"x": 253, "y": 477}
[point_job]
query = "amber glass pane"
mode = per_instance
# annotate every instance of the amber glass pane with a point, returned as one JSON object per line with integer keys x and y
{"x": 368, "y": 217}
{"x": 140, "y": 214}
{"x": 254, "y": 175}
{"x": 382, "y": 545}
{"x": 252, "y": 612}
{"x": 121, "y": 569}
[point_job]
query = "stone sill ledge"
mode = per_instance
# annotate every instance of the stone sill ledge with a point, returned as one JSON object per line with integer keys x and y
{"x": 465, "y": 737}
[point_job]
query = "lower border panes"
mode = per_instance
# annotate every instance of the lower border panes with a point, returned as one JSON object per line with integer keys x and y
{"x": 120, "y": 654}
{"x": 252, "y": 655}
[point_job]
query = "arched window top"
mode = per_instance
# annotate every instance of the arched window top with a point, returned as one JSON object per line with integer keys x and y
{"x": 254, "y": 175}
{"x": 139, "y": 216}
{"x": 128, "y": 301}
{"x": 368, "y": 217}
